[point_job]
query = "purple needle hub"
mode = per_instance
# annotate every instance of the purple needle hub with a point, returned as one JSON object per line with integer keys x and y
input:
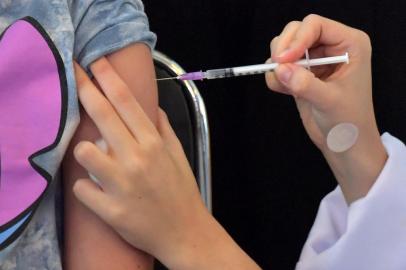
{"x": 192, "y": 76}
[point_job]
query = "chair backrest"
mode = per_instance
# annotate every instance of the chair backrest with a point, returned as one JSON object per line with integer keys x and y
{"x": 186, "y": 111}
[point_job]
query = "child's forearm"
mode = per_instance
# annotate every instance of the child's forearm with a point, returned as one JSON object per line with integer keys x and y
{"x": 207, "y": 246}
{"x": 89, "y": 242}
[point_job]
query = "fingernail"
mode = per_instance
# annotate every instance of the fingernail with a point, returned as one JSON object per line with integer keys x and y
{"x": 268, "y": 61}
{"x": 285, "y": 73}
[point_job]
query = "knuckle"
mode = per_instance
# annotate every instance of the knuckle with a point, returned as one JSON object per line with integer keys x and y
{"x": 364, "y": 39}
{"x": 292, "y": 24}
{"x": 97, "y": 109}
{"x": 133, "y": 167}
{"x": 81, "y": 82}
{"x": 274, "y": 41}
{"x": 363, "y": 35}
{"x": 101, "y": 67}
{"x": 334, "y": 101}
{"x": 121, "y": 93}
{"x": 163, "y": 115}
{"x": 312, "y": 18}
{"x": 116, "y": 215}
{"x": 153, "y": 146}
{"x": 157, "y": 143}
{"x": 177, "y": 144}
{"x": 274, "y": 44}
{"x": 105, "y": 115}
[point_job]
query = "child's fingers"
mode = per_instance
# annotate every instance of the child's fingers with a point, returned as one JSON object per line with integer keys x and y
{"x": 96, "y": 163}
{"x": 90, "y": 194}
{"x": 303, "y": 84}
{"x": 103, "y": 114}
{"x": 123, "y": 100}
{"x": 314, "y": 30}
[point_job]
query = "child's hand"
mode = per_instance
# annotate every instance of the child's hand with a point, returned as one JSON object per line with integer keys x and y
{"x": 332, "y": 94}
{"x": 147, "y": 192}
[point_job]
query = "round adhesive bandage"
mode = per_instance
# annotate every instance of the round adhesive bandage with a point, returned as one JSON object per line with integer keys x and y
{"x": 342, "y": 137}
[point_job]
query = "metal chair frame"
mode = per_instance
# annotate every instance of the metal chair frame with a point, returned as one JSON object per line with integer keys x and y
{"x": 201, "y": 128}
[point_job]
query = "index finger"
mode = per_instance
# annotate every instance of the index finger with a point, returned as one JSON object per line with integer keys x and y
{"x": 315, "y": 30}
{"x": 110, "y": 125}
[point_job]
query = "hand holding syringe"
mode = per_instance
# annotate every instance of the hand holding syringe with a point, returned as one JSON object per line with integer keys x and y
{"x": 256, "y": 69}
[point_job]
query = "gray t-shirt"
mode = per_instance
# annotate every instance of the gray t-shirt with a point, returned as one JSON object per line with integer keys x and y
{"x": 83, "y": 30}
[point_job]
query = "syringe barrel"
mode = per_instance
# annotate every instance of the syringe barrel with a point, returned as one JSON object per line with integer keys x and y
{"x": 254, "y": 69}
{"x": 262, "y": 68}
{"x": 238, "y": 71}
{"x": 219, "y": 73}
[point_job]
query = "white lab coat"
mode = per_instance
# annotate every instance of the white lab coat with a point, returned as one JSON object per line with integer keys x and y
{"x": 369, "y": 234}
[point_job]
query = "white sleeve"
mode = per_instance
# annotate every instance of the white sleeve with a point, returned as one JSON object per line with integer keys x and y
{"x": 371, "y": 232}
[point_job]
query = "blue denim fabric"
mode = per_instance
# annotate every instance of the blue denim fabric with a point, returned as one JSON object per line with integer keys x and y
{"x": 83, "y": 30}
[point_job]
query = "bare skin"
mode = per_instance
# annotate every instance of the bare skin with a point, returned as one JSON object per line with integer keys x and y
{"x": 330, "y": 95}
{"x": 90, "y": 242}
{"x": 147, "y": 191}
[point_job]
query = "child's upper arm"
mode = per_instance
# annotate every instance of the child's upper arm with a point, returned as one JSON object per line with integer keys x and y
{"x": 135, "y": 66}
{"x": 103, "y": 27}
{"x": 107, "y": 28}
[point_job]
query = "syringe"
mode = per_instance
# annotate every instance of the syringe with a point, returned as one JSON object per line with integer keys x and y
{"x": 256, "y": 69}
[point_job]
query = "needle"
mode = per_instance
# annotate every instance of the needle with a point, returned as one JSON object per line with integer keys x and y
{"x": 164, "y": 79}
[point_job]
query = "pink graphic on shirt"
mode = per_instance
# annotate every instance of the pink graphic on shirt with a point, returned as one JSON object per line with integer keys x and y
{"x": 31, "y": 113}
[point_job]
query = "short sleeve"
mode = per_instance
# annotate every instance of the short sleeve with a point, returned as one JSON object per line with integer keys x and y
{"x": 371, "y": 232}
{"x": 102, "y": 27}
